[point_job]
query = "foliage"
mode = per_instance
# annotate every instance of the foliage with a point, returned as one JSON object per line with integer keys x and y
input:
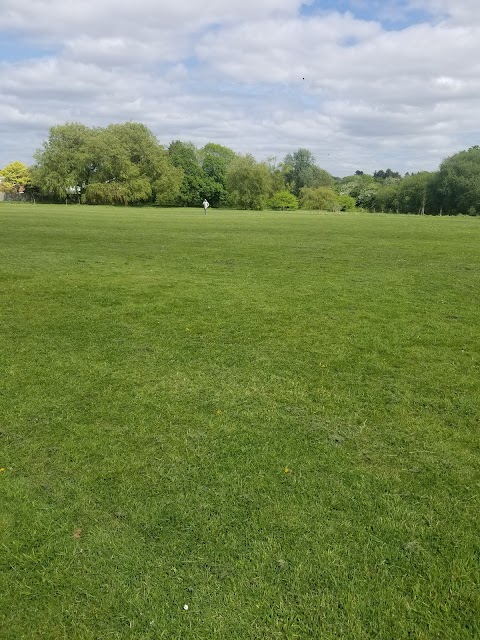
{"x": 64, "y": 165}
{"x": 195, "y": 185}
{"x": 386, "y": 198}
{"x": 413, "y": 194}
{"x": 129, "y": 154}
{"x": 362, "y": 187}
{"x": 14, "y": 176}
{"x": 385, "y": 175}
{"x": 248, "y": 183}
{"x": 121, "y": 164}
{"x": 167, "y": 182}
{"x": 416, "y": 193}
{"x": 319, "y": 198}
{"x": 301, "y": 171}
{"x": 283, "y": 200}
{"x": 204, "y": 172}
{"x": 125, "y": 164}
{"x": 346, "y": 203}
{"x": 215, "y": 160}
{"x": 277, "y": 175}
{"x": 458, "y": 184}
{"x": 134, "y": 190}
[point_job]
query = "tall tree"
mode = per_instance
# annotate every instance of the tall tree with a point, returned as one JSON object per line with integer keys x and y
{"x": 248, "y": 183}
{"x": 130, "y": 166}
{"x": 64, "y": 164}
{"x": 386, "y": 198}
{"x": 416, "y": 193}
{"x": 277, "y": 175}
{"x": 196, "y": 184}
{"x": 121, "y": 164}
{"x": 215, "y": 160}
{"x": 301, "y": 171}
{"x": 458, "y": 184}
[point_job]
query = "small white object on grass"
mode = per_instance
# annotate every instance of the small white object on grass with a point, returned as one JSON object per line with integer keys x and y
{"x": 185, "y": 606}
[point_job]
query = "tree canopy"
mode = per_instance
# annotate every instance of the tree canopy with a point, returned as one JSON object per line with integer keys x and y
{"x": 121, "y": 164}
{"x": 301, "y": 171}
{"x": 458, "y": 182}
{"x": 125, "y": 164}
{"x": 64, "y": 164}
{"x": 248, "y": 183}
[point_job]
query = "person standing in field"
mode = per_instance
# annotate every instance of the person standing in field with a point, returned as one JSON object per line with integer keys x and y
{"x": 206, "y": 204}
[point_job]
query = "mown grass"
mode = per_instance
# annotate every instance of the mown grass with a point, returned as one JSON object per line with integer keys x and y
{"x": 269, "y": 417}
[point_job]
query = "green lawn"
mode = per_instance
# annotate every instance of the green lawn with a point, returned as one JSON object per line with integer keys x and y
{"x": 269, "y": 417}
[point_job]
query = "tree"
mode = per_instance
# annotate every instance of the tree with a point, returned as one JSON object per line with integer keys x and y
{"x": 196, "y": 185}
{"x": 362, "y": 187}
{"x": 121, "y": 164}
{"x": 458, "y": 185}
{"x": 64, "y": 164}
{"x": 283, "y": 200}
{"x": 167, "y": 182}
{"x": 129, "y": 166}
{"x": 15, "y": 176}
{"x": 386, "y": 198}
{"x": 215, "y": 160}
{"x": 248, "y": 183}
{"x": 277, "y": 174}
{"x": 118, "y": 172}
{"x": 301, "y": 171}
{"x": 415, "y": 193}
{"x": 383, "y": 175}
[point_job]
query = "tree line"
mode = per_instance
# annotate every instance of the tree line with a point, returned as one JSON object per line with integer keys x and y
{"x": 125, "y": 164}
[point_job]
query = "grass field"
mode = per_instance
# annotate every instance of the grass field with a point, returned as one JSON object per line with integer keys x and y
{"x": 271, "y": 418}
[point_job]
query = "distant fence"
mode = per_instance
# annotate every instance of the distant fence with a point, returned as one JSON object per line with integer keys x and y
{"x": 14, "y": 197}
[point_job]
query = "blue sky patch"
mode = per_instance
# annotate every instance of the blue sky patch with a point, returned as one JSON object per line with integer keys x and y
{"x": 392, "y": 15}
{"x": 13, "y": 48}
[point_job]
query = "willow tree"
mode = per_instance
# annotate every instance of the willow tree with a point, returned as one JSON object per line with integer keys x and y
{"x": 120, "y": 164}
{"x": 248, "y": 183}
{"x": 129, "y": 166}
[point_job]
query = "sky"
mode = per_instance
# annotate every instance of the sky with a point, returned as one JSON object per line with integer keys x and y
{"x": 363, "y": 84}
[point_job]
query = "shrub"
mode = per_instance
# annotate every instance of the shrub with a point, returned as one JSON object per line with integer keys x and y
{"x": 321, "y": 198}
{"x": 283, "y": 200}
{"x": 346, "y": 203}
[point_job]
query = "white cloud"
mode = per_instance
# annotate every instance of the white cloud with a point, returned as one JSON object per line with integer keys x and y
{"x": 102, "y": 17}
{"x": 233, "y": 73}
{"x": 126, "y": 51}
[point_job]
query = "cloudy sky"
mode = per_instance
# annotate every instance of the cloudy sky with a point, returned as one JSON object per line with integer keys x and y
{"x": 363, "y": 84}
